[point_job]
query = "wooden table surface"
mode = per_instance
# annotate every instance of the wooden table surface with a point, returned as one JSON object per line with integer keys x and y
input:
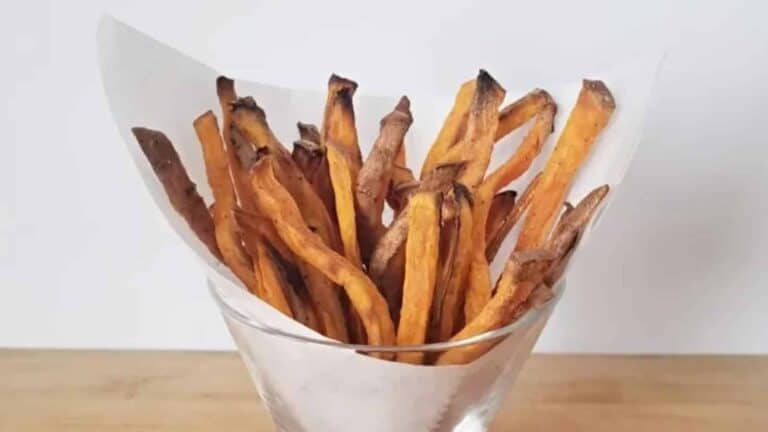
{"x": 106, "y": 391}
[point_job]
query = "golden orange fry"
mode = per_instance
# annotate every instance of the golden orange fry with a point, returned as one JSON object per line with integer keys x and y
{"x": 339, "y": 120}
{"x": 520, "y": 111}
{"x": 587, "y": 119}
{"x": 275, "y": 201}
{"x": 421, "y": 258}
{"x": 523, "y": 272}
{"x": 341, "y": 179}
{"x": 227, "y": 233}
{"x": 452, "y": 130}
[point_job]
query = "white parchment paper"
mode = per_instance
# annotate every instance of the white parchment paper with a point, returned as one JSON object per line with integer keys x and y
{"x": 311, "y": 387}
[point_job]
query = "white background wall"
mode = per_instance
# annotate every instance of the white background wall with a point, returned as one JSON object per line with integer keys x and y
{"x": 680, "y": 263}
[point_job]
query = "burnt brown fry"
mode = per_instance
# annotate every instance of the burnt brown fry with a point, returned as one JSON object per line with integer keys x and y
{"x": 376, "y": 173}
{"x": 181, "y": 191}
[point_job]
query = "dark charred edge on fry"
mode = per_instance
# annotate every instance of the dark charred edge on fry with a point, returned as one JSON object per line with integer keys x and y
{"x": 247, "y": 103}
{"x": 442, "y": 175}
{"x": 246, "y": 155}
{"x": 577, "y": 219}
{"x": 310, "y": 147}
{"x": 309, "y": 132}
{"x": 599, "y": 88}
{"x": 225, "y": 88}
{"x": 401, "y": 113}
{"x": 340, "y": 83}
{"x": 463, "y": 192}
{"x": 487, "y": 90}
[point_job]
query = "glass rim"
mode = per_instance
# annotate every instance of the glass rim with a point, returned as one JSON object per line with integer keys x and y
{"x": 525, "y": 321}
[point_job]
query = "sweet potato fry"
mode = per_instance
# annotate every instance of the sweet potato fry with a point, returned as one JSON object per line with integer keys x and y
{"x": 501, "y": 205}
{"x": 477, "y": 143}
{"x": 520, "y": 111}
{"x": 387, "y": 264}
{"x": 496, "y": 238}
{"x": 309, "y": 132}
{"x": 181, "y": 191}
{"x": 524, "y": 155}
{"x": 587, "y": 119}
{"x": 523, "y": 272}
{"x": 310, "y": 159}
{"x": 227, "y": 232}
{"x": 375, "y": 175}
{"x": 452, "y": 130}
{"x": 275, "y": 201}
{"x": 421, "y": 258}
{"x": 235, "y": 146}
{"x": 450, "y": 229}
{"x": 339, "y": 120}
{"x": 400, "y": 187}
{"x": 341, "y": 179}
{"x": 455, "y": 289}
{"x": 272, "y": 281}
{"x": 250, "y": 119}
{"x": 479, "y": 283}
{"x": 574, "y": 222}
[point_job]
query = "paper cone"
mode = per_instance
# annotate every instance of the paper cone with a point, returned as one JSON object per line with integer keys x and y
{"x": 308, "y": 386}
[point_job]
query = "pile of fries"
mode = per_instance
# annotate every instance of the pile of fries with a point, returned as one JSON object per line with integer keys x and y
{"x": 303, "y": 229}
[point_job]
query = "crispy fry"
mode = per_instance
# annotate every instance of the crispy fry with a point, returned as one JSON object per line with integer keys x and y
{"x": 421, "y": 257}
{"x": 453, "y": 300}
{"x": 275, "y": 201}
{"x": 272, "y": 281}
{"x": 501, "y": 205}
{"x": 496, "y": 238}
{"x": 309, "y": 132}
{"x": 227, "y": 232}
{"x": 587, "y": 119}
{"x": 574, "y": 222}
{"x": 341, "y": 180}
{"x": 523, "y": 272}
{"x": 375, "y": 174}
{"x": 310, "y": 159}
{"x": 520, "y": 111}
{"x": 250, "y": 119}
{"x": 479, "y": 283}
{"x": 452, "y": 130}
{"x": 387, "y": 264}
{"x": 262, "y": 227}
{"x": 181, "y": 191}
{"x": 525, "y": 153}
{"x": 477, "y": 143}
{"x": 400, "y": 187}
{"x": 235, "y": 146}
{"x": 449, "y": 243}
{"x": 339, "y": 120}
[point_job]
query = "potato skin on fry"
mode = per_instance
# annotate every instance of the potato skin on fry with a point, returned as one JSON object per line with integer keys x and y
{"x": 587, "y": 119}
{"x": 496, "y": 238}
{"x": 421, "y": 258}
{"x": 375, "y": 175}
{"x": 181, "y": 191}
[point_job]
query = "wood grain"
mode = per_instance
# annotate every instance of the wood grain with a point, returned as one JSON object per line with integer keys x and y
{"x": 107, "y": 391}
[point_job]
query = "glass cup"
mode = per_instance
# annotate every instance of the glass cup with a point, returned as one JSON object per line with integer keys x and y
{"x": 311, "y": 383}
